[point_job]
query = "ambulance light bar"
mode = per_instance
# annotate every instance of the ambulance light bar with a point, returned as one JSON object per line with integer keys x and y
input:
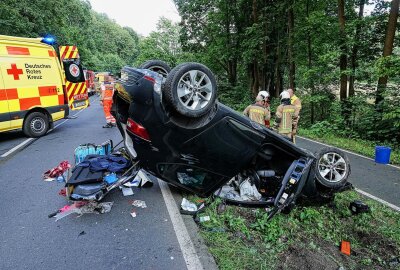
{"x": 48, "y": 39}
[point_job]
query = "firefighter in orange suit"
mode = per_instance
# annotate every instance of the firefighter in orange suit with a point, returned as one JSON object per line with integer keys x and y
{"x": 107, "y": 92}
{"x": 286, "y": 116}
{"x": 295, "y": 101}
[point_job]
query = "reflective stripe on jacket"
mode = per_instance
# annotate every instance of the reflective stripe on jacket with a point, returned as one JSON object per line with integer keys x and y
{"x": 108, "y": 90}
{"x": 287, "y": 114}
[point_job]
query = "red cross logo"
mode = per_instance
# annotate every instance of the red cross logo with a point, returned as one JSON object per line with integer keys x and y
{"x": 14, "y": 71}
{"x": 74, "y": 70}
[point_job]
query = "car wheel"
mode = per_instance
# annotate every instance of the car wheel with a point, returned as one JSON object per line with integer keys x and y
{"x": 332, "y": 168}
{"x": 191, "y": 89}
{"x": 157, "y": 66}
{"x": 36, "y": 124}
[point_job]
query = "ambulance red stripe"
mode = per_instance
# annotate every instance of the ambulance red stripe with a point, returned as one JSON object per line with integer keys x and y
{"x": 12, "y": 93}
{"x": 51, "y": 53}
{"x": 6, "y": 94}
{"x": 27, "y": 103}
{"x": 66, "y": 49}
{"x": 79, "y": 91}
{"x": 81, "y": 88}
{"x": 3, "y": 95}
{"x": 47, "y": 90}
{"x": 11, "y": 50}
{"x": 73, "y": 91}
{"x": 60, "y": 99}
{"x": 69, "y": 85}
{"x": 72, "y": 52}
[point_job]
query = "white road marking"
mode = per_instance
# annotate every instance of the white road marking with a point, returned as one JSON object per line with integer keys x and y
{"x": 388, "y": 204}
{"x": 189, "y": 252}
{"x": 15, "y": 148}
{"x": 12, "y": 150}
{"x": 347, "y": 151}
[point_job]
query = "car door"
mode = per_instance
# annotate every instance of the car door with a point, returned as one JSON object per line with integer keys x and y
{"x": 75, "y": 83}
{"x": 4, "y": 109}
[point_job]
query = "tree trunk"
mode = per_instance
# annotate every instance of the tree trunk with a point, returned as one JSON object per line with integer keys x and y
{"x": 387, "y": 50}
{"x": 355, "y": 48}
{"x": 292, "y": 66}
{"x": 256, "y": 80}
{"x": 278, "y": 74}
{"x": 254, "y": 66}
{"x": 309, "y": 56}
{"x": 343, "y": 55}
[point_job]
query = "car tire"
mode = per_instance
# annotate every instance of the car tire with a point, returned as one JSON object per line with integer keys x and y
{"x": 332, "y": 168}
{"x": 157, "y": 66}
{"x": 190, "y": 89}
{"x": 36, "y": 124}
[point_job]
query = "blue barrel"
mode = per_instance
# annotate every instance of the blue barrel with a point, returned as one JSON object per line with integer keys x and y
{"x": 382, "y": 154}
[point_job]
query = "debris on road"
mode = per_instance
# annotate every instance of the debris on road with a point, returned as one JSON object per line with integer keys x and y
{"x": 249, "y": 192}
{"x": 53, "y": 174}
{"x": 139, "y": 204}
{"x": 82, "y": 207}
{"x": 188, "y": 206}
{"x": 345, "y": 247}
{"x": 358, "y": 207}
{"x": 81, "y": 233}
{"x": 110, "y": 178}
{"x": 127, "y": 191}
{"x": 133, "y": 213}
{"x": 135, "y": 182}
{"x": 204, "y": 218}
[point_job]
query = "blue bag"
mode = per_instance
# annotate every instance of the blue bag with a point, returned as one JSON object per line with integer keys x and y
{"x": 91, "y": 149}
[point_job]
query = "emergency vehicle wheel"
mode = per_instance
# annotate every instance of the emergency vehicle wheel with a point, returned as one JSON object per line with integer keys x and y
{"x": 191, "y": 89}
{"x": 157, "y": 66}
{"x": 332, "y": 168}
{"x": 36, "y": 124}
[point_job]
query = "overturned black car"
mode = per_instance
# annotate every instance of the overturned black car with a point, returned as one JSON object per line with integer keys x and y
{"x": 174, "y": 126}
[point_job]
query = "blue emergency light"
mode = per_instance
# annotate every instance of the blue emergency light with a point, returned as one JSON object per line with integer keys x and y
{"x": 49, "y": 39}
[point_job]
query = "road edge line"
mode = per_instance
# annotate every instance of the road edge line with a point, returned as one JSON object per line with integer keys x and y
{"x": 15, "y": 148}
{"x": 388, "y": 204}
{"x": 188, "y": 250}
{"x": 347, "y": 151}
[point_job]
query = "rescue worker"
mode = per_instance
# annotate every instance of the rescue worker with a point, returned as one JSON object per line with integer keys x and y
{"x": 107, "y": 92}
{"x": 265, "y": 95}
{"x": 286, "y": 116}
{"x": 294, "y": 100}
{"x": 257, "y": 111}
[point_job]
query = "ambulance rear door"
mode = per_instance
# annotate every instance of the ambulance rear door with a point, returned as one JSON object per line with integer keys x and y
{"x": 75, "y": 83}
{"x": 4, "y": 109}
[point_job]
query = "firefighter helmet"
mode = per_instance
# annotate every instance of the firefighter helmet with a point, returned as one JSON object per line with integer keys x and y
{"x": 264, "y": 95}
{"x": 285, "y": 95}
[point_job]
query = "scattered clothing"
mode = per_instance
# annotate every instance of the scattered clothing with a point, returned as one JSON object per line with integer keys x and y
{"x": 109, "y": 163}
{"x": 54, "y": 173}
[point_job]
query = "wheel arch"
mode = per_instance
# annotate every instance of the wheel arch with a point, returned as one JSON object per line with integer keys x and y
{"x": 41, "y": 110}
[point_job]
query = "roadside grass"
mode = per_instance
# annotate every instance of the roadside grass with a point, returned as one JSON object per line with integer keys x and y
{"x": 363, "y": 147}
{"x": 307, "y": 238}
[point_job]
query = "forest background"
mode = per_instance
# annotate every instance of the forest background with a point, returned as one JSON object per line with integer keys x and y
{"x": 341, "y": 57}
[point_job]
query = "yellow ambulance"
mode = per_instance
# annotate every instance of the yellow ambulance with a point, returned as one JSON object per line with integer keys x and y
{"x": 36, "y": 87}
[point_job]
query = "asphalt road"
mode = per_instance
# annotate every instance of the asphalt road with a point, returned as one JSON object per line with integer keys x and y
{"x": 380, "y": 180}
{"x": 115, "y": 240}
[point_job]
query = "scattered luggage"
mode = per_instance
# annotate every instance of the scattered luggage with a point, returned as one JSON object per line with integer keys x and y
{"x": 86, "y": 149}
